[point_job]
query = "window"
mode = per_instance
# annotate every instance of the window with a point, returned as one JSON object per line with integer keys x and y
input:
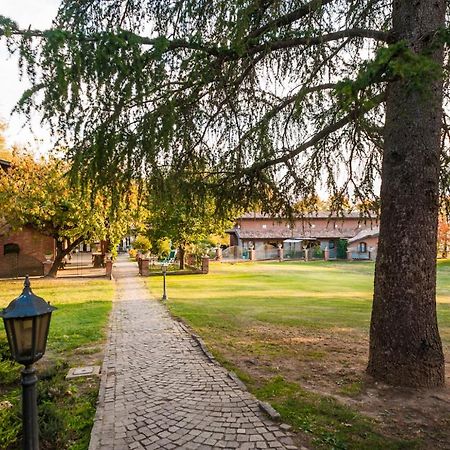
{"x": 11, "y": 248}
{"x": 362, "y": 247}
{"x": 331, "y": 245}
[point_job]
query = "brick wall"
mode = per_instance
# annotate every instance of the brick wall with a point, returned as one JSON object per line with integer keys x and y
{"x": 32, "y": 248}
{"x": 313, "y": 224}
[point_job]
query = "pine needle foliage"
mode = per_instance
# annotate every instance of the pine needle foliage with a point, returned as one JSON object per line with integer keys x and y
{"x": 260, "y": 102}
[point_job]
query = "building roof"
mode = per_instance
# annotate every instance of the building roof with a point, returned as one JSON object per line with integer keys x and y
{"x": 293, "y": 234}
{"x": 366, "y": 233}
{"x": 313, "y": 215}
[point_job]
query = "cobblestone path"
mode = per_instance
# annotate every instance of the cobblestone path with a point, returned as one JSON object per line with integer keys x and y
{"x": 159, "y": 390}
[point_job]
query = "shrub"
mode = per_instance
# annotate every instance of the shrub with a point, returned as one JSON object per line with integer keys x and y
{"x": 163, "y": 247}
{"x": 317, "y": 252}
{"x": 142, "y": 243}
{"x": 133, "y": 253}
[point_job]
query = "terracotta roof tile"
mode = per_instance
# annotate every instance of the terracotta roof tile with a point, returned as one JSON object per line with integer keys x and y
{"x": 294, "y": 233}
{"x": 368, "y": 232}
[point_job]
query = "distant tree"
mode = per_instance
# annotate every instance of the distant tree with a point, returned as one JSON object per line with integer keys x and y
{"x": 183, "y": 217}
{"x": 5, "y": 152}
{"x": 443, "y": 235}
{"x": 38, "y": 194}
{"x": 142, "y": 243}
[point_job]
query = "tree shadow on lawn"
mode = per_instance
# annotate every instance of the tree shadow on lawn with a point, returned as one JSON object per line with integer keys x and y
{"x": 331, "y": 363}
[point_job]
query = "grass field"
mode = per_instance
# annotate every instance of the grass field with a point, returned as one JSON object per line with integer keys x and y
{"x": 290, "y": 326}
{"x": 316, "y": 295}
{"x": 77, "y": 331}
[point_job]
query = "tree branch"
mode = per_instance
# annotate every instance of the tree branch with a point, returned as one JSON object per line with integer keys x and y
{"x": 317, "y": 40}
{"x": 226, "y": 52}
{"x": 289, "y": 18}
{"x": 259, "y": 166}
{"x": 171, "y": 45}
{"x": 283, "y": 104}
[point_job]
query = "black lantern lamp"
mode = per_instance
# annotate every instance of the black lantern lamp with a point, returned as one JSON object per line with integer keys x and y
{"x": 27, "y": 321}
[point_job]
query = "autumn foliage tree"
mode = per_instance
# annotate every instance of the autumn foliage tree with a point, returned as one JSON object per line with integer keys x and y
{"x": 182, "y": 217}
{"x": 5, "y": 152}
{"x": 443, "y": 235}
{"x": 38, "y": 194}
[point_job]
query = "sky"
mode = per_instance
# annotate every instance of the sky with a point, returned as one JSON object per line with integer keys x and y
{"x": 37, "y": 14}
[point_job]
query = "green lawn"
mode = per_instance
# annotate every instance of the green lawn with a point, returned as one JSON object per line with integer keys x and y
{"x": 314, "y": 295}
{"x": 76, "y": 333}
{"x": 279, "y": 325}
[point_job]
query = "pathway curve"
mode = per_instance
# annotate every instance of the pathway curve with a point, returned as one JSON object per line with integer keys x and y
{"x": 159, "y": 390}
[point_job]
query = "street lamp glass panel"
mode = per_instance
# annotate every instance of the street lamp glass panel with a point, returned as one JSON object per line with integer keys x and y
{"x": 20, "y": 337}
{"x": 41, "y": 333}
{"x": 28, "y": 337}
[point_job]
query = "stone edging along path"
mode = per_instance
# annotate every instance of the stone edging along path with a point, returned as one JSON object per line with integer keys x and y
{"x": 162, "y": 389}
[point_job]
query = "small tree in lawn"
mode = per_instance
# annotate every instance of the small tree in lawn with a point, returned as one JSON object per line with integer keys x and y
{"x": 142, "y": 243}
{"x": 36, "y": 193}
{"x": 182, "y": 215}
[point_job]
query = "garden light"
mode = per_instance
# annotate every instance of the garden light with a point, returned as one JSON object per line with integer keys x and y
{"x": 164, "y": 272}
{"x": 27, "y": 321}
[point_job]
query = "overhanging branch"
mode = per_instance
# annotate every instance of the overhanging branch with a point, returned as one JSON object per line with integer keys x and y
{"x": 317, "y": 40}
{"x": 282, "y": 105}
{"x": 224, "y": 53}
{"x": 259, "y": 166}
{"x": 287, "y": 19}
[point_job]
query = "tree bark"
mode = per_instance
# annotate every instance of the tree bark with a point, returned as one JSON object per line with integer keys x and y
{"x": 405, "y": 346}
{"x": 60, "y": 254}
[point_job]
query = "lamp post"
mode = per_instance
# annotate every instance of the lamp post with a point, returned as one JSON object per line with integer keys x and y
{"x": 164, "y": 272}
{"x": 27, "y": 321}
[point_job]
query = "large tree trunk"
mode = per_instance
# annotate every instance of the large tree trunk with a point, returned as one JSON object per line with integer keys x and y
{"x": 405, "y": 347}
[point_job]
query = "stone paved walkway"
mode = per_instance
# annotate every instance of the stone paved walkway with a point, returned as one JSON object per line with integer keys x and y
{"x": 159, "y": 390}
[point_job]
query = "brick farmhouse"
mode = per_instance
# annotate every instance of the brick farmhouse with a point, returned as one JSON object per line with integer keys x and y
{"x": 24, "y": 251}
{"x": 315, "y": 233}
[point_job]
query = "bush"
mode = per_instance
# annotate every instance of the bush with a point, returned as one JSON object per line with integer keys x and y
{"x": 133, "y": 253}
{"x": 163, "y": 247}
{"x": 317, "y": 252}
{"x": 142, "y": 243}
{"x": 342, "y": 249}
